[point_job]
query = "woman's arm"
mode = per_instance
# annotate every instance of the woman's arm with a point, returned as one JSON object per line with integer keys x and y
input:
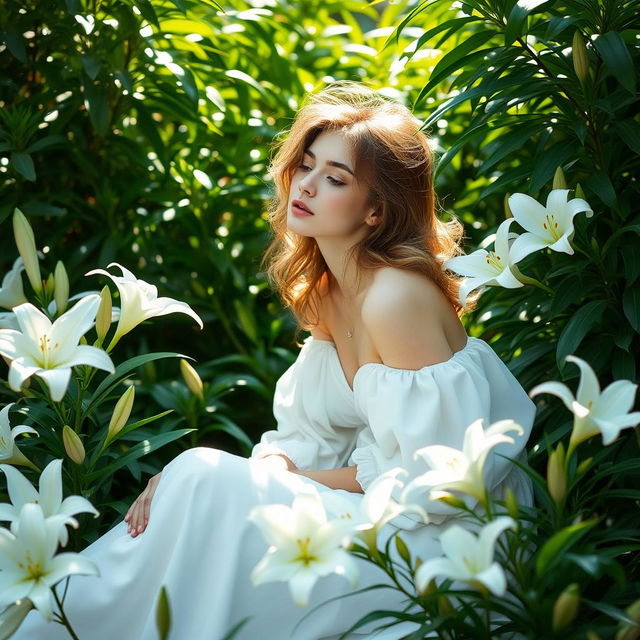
{"x": 343, "y": 478}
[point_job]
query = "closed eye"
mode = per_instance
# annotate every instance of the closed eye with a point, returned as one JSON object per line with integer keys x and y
{"x": 331, "y": 179}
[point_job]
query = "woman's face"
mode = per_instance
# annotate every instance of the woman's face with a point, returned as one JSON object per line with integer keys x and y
{"x": 324, "y": 183}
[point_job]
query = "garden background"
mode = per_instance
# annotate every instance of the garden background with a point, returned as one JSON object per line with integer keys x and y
{"x": 139, "y": 131}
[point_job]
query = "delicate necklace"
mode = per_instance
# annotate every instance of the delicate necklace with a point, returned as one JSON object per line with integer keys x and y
{"x": 349, "y": 334}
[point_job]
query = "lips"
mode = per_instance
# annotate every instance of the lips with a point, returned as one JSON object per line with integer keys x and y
{"x": 301, "y": 205}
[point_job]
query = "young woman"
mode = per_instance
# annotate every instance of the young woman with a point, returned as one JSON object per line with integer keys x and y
{"x": 388, "y": 368}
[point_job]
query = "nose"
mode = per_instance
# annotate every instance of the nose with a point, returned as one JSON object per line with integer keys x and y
{"x": 306, "y": 185}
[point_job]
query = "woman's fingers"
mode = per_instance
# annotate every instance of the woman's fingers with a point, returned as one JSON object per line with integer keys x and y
{"x": 138, "y": 514}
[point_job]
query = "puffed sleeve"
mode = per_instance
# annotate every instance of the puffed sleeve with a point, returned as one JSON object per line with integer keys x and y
{"x": 310, "y": 431}
{"x": 407, "y": 410}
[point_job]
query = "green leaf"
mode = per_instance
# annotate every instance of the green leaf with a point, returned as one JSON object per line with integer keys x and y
{"x": 617, "y": 59}
{"x": 95, "y": 100}
{"x": 623, "y": 366}
{"x": 600, "y": 183}
{"x": 23, "y": 164}
{"x": 12, "y": 38}
{"x": 517, "y": 18}
{"x": 559, "y": 543}
{"x": 139, "y": 450}
{"x": 45, "y": 143}
{"x": 577, "y": 328}
{"x": 91, "y": 65}
{"x": 548, "y": 161}
{"x": 631, "y": 305}
{"x": 629, "y": 132}
{"x": 113, "y": 379}
{"x": 148, "y": 12}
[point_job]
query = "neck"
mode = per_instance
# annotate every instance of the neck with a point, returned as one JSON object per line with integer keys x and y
{"x": 348, "y": 277}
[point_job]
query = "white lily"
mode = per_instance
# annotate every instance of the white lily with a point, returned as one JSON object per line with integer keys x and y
{"x": 50, "y": 350}
{"x": 8, "y": 320}
{"x": 457, "y": 470}
{"x": 305, "y": 545}
{"x": 9, "y": 452}
{"x": 29, "y": 566}
{"x": 484, "y": 267}
{"x": 49, "y": 497}
{"x": 547, "y": 227}
{"x": 139, "y": 301}
{"x": 468, "y": 558}
{"x": 12, "y": 291}
{"x": 595, "y": 412}
{"x": 374, "y": 510}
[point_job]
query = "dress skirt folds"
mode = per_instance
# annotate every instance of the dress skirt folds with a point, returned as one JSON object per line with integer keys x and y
{"x": 200, "y": 545}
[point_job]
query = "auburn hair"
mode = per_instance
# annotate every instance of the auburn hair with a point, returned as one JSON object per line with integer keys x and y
{"x": 393, "y": 158}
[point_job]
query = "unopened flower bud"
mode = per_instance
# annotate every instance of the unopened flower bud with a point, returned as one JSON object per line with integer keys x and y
{"x": 13, "y": 616}
{"x": 580, "y": 57}
{"x": 445, "y": 608}
{"x": 191, "y": 377}
{"x": 103, "y": 317}
{"x": 163, "y": 614}
{"x": 26, "y": 244}
{"x": 584, "y": 466}
{"x": 579, "y": 191}
{"x": 559, "y": 181}
{"x": 448, "y": 498}
{"x": 121, "y": 412}
{"x": 629, "y": 631}
{"x": 72, "y": 444}
{"x": 592, "y": 635}
{"x": 403, "y": 550}
{"x": 61, "y": 289}
{"x": 50, "y": 284}
{"x": 556, "y": 479}
{"x": 566, "y": 607}
{"x": 511, "y": 503}
{"x": 507, "y": 208}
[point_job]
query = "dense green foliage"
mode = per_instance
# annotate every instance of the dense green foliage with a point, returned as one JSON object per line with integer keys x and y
{"x": 139, "y": 131}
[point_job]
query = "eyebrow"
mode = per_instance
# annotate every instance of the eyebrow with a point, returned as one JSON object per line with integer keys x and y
{"x": 332, "y": 163}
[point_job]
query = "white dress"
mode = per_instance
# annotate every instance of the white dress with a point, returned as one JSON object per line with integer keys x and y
{"x": 200, "y": 546}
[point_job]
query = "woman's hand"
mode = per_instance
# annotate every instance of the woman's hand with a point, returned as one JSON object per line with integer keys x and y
{"x": 138, "y": 514}
{"x": 279, "y": 461}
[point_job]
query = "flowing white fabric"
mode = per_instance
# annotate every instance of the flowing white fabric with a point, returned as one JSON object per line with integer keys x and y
{"x": 200, "y": 545}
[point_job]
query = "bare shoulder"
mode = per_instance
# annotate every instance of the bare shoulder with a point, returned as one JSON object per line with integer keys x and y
{"x": 405, "y": 314}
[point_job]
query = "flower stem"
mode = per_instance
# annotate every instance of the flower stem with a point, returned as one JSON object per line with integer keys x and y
{"x": 64, "y": 621}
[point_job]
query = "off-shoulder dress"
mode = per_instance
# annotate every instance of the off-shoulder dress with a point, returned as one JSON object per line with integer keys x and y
{"x": 200, "y": 545}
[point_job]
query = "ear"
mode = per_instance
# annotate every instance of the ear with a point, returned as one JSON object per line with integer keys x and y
{"x": 374, "y": 218}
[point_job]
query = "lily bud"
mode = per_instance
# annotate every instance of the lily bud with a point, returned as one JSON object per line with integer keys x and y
{"x": 511, "y": 503}
{"x": 591, "y": 635}
{"x": 121, "y": 412}
{"x": 559, "y": 181}
{"x": 507, "y": 208}
{"x": 50, "y": 284}
{"x": 61, "y": 289}
{"x": 26, "y": 244}
{"x": 556, "y": 479}
{"x": 445, "y": 608}
{"x": 566, "y": 607}
{"x": 191, "y": 378}
{"x": 163, "y": 614}
{"x": 73, "y": 445}
{"x": 580, "y": 57}
{"x": 579, "y": 192}
{"x": 627, "y": 631}
{"x": 584, "y": 466}
{"x": 403, "y": 550}
{"x": 451, "y": 500}
{"x": 13, "y": 616}
{"x": 103, "y": 317}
